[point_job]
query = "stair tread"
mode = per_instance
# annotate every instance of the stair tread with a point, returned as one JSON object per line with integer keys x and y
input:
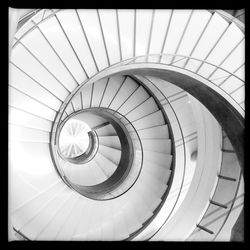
{"x": 158, "y": 158}
{"x": 111, "y": 154}
{"x": 145, "y": 108}
{"x": 33, "y": 206}
{"x": 22, "y": 118}
{"x": 98, "y": 91}
{"x": 72, "y": 221}
{"x": 110, "y": 141}
{"x": 87, "y": 174}
{"x": 127, "y": 88}
{"x": 107, "y": 228}
{"x": 159, "y": 172}
{"x": 159, "y": 132}
{"x": 77, "y": 101}
{"x": 90, "y": 119}
{"x": 155, "y": 185}
{"x": 112, "y": 87}
{"x": 25, "y": 134}
{"x": 86, "y": 95}
{"x": 157, "y": 145}
{"x": 138, "y": 97}
{"x": 151, "y": 201}
{"x": 120, "y": 227}
{"x": 154, "y": 119}
{"x": 108, "y": 130}
{"x": 108, "y": 166}
{"x": 57, "y": 222}
{"x": 141, "y": 208}
{"x": 85, "y": 219}
{"x": 131, "y": 219}
{"x": 37, "y": 224}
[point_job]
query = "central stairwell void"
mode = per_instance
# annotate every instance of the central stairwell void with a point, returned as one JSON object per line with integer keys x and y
{"x": 116, "y": 110}
{"x": 120, "y": 125}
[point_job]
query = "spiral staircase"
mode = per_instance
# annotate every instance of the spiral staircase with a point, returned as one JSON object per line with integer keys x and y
{"x": 126, "y": 125}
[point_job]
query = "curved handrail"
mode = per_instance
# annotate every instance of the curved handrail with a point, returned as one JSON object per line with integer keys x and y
{"x": 184, "y": 154}
{"x": 173, "y": 62}
{"x": 114, "y": 112}
{"x": 27, "y": 16}
{"x": 216, "y": 190}
{"x": 222, "y": 13}
{"x": 133, "y": 61}
{"x": 147, "y": 55}
{"x": 229, "y": 18}
{"x": 230, "y": 210}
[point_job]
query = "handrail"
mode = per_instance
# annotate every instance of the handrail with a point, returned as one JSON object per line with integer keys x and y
{"x": 21, "y": 234}
{"x": 185, "y": 160}
{"x": 60, "y": 115}
{"x": 146, "y": 57}
{"x": 222, "y": 13}
{"x": 164, "y": 196}
{"x": 161, "y": 54}
{"x": 23, "y": 19}
{"x": 175, "y": 55}
{"x": 198, "y": 225}
{"x": 229, "y": 18}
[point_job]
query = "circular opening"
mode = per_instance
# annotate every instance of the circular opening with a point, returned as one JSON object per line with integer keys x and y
{"x": 74, "y": 138}
{"x": 87, "y": 161}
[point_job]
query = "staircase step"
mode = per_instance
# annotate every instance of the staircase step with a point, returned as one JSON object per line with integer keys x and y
{"x": 24, "y": 134}
{"x": 70, "y": 109}
{"x": 158, "y": 158}
{"x": 113, "y": 86}
{"x": 111, "y": 154}
{"x": 159, "y": 132}
{"x": 72, "y": 221}
{"x": 97, "y": 220}
{"x": 16, "y": 181}
{"x": 159, "y": 172}
{"x": 22, "y": 82}
{"x": 157, "y": 145}
{"x": 36, "y": 225}
{"x": 149, "y": 199}
{"x": 154, "y": 119}
{"x": 154, "y": 186}
{"x": 107, "y": 228}
{"x": 107, "y": 130}
{"x": 98, "y": 92}
{"x": 24, "y": 119}
{"x": 90, "y": 119}
{"x": 139, "y": 96}
{"x": 85, "y": 218}
{"x": 26, "y": 212}
{"x": 142, "y": 210}
{"x": 32, "y": 158}
{"x": 106, "y": 165}
{"x": 77, "y": 101}
{"x": 86, "y": 93}
{"x": 87, "y": 174}
{"x": 120, "y": 226}
{"x": 128, "y": 87}
{"x": 110, "y": 141}
{"x": 22, "y": 102}
{"x": 45, "y": 224}
{"x": 24, "y": 59}
{"x": 131, "y": 218}
{"x": 144, "y": 109}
